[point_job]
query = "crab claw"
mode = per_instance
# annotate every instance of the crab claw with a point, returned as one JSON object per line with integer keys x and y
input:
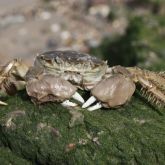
{"x": 95, "y": 107}
{"x": 89, "y": 102}
{"x": 47, "y": 88}
{"x": 3, "y": 103}
{"x": 111, "y": 92}
{"x": 68, "y": 103}
{"x": 78, "y": 97}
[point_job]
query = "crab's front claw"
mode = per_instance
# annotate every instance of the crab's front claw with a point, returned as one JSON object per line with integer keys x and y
{"x": 48, "y": 88}
{"x": 111, "y": 92}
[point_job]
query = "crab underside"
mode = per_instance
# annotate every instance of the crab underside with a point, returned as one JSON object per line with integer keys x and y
{"x": 56, "y": 76}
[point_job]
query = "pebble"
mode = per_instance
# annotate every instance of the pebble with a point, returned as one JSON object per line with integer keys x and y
{"x": 55, "y": 28}
{"x": 45, "y": 15}
{"x": 100, "y": 10}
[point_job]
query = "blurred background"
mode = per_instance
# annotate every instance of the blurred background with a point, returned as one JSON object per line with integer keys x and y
{"x": 125, "y": 32}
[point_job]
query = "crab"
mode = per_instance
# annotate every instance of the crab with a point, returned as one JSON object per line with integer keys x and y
{"x": 57, "y": 76}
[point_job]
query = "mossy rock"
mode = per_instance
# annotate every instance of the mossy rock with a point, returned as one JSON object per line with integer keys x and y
{"x": 7, "y": 157}
{"x": 132, "y": 134}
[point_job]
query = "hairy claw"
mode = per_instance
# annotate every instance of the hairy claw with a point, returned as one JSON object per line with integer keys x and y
{"x": 47, "y": 88}
{"x": 114, "y": 91}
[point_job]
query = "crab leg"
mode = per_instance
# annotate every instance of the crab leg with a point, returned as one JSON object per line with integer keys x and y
{"x": 78, "y": 97}
{"x": 89, "y": 102}
{"x": 8, "y": 67}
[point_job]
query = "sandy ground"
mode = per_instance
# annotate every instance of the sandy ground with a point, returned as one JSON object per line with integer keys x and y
{"x": 30, "y": 27}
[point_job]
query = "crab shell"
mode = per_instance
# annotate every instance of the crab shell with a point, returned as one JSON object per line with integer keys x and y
{"x": 82, "y": 70}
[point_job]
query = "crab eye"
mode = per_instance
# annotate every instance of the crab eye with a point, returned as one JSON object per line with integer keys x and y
{"x": 42, "y": 57}
{"x": 48, "y": 61}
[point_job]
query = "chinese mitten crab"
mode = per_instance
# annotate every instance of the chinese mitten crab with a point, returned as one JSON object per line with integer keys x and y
{"x": 56, "y": 76}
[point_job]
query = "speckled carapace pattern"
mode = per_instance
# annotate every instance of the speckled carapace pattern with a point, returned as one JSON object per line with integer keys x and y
{"x": 70, "y": 57}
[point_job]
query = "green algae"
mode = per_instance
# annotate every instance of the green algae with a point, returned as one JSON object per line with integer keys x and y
{"x": 132, "y": 134}
{"x": 7, "y": 157}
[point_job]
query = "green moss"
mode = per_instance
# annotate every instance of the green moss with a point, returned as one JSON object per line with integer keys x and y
{"x": 7, "y": 157}
{"x": 133, "y": 134}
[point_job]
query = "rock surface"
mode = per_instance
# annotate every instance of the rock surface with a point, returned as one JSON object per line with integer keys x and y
{"x": 132, "y": 134}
